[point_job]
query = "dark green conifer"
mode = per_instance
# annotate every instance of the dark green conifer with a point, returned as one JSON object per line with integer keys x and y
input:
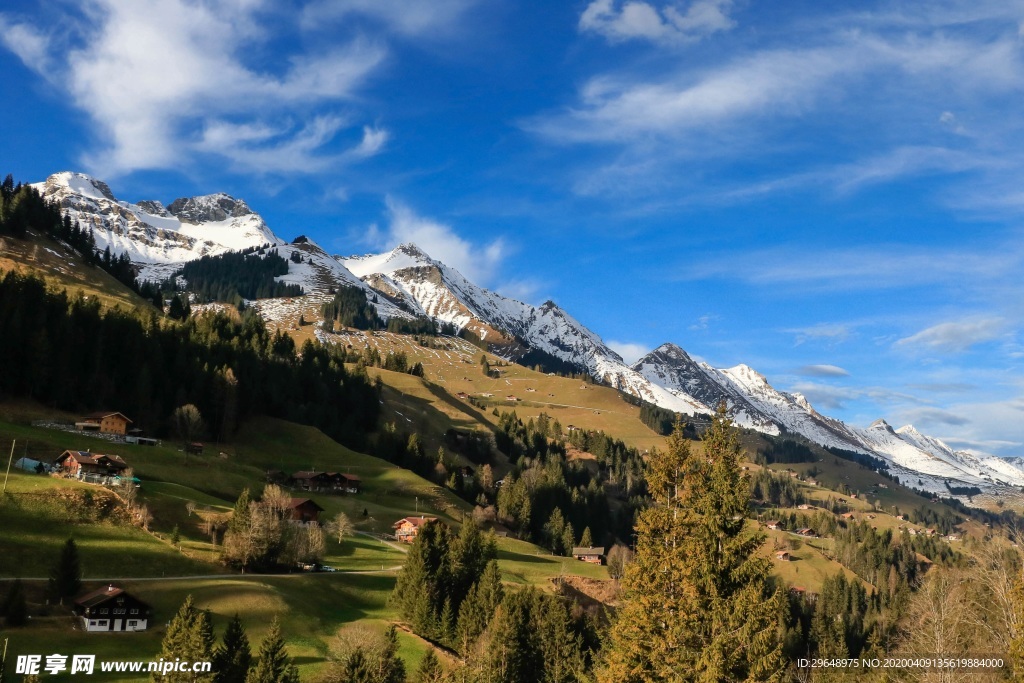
{"x": 189, "y": 637}
{"x": 272, "y": 664}
{"x": 66, "y": 574}
{"x": 233, "y": 657}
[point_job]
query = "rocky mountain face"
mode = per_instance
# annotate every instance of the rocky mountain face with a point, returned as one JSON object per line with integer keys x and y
{"x": 406, "y": 282}
{"x": 156, "y": 238}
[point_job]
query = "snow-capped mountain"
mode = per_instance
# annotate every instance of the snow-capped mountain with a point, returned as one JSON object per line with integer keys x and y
{"x": 406, "y": 282}
{"x": 409, "y": 276}
{"x": 157, "y": 238}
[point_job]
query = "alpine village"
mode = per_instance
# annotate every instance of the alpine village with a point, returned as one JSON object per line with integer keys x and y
{"x": 302, "y": 467}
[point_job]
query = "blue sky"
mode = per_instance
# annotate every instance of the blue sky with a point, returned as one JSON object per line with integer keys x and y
{"x": 828, "y": 192}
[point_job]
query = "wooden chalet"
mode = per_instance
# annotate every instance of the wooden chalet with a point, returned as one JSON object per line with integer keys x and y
{"x": 104, "y": 422}
{"x": 774, "y": 524}
{"x": 194, "y": 448}
{"x": 847, "y": 515}
{"x": 112, "y": 609}
{"x": 589, "y": 554}
{"x": 304, "y": 511}
{"x": 82, "y": 463}
{"x": 349, "y": 483}
{"x": 312, "y": 481}
{"x": 806, "y": 532}
{"x": 408, "y": 528}
{"x": 782, "y": 556}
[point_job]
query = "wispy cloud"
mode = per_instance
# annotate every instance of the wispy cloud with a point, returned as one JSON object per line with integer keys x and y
{"x": 829, "y": 397}
{"x": 630, "y": 351}
{"x": 166, "y": 80}
{"x": 704, "y": 321}
{"x": 954, "y": 336}
{"x": 834, "y": 76}
{"x": 656, "y": 22}
{"x": 478, "y": 262}
{"x": 830, "y": 332}
{"x": 822, "y": 371}
{"x": 408, "y": 18}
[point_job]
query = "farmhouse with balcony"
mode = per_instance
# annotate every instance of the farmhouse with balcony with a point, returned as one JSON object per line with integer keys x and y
{"x": 104, "y": 422}
{"x": 408, "y": 528}
{"x": 80, "y": 464}
{"x": 112, "y": 609}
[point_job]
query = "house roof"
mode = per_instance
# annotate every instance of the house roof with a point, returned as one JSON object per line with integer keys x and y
{"x": 299, "y": 502}
{"x": 415, "y": 521}
{"x": 101, "y": 595}
{"x": 589, "y": 550}
{"x": 305, "y": 474}
{"x": 106, "y": 413}
{"x": 87, "y": 458}
{"x": 351, "y": 477}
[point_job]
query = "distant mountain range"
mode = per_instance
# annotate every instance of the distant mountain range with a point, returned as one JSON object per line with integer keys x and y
{"x": 406, "y": 283}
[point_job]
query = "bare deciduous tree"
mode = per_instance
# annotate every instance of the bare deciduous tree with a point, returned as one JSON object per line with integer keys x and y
{"x": 340, "y": 526}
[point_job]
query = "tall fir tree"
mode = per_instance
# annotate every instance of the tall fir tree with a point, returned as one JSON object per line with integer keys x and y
{"x": 233, "y": 657}
{"x": 66, "y": 574}
{"x": 513, "y": 653}
{"x": 698, "y": 605}
{"x": 189, "y": 637}
{"x": 272, "y": 664}
{"x": 14, "y": 608}
{"x": 430, "y": 670}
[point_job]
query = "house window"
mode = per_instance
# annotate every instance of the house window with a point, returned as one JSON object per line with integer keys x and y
{"x": 132, "y": 624}
{"x": 92, "y": 622}
{"x": 101, "y": 622}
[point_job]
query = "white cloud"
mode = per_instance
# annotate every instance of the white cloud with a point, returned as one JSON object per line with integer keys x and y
{"x": 643, "y": 20}
{"x": 478, "y": 263}
{"x": 630, "y": 351}
{"x": 704, "y": 321}
{"x": 830, "y": 332}
{"x": 957, "y": 336}
{"x": 416, "y": 18}
{"x": 164, "y": 80}
{"x": 822, "y": 371}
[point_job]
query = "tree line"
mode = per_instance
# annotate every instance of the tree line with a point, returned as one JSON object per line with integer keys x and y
{"x": 235, "y": 276}
{"x": 65, "y": 352}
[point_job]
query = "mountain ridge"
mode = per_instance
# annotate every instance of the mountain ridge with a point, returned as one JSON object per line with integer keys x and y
{"x": 406, "y": 282}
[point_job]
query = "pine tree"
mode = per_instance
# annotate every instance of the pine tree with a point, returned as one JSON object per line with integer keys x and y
{"x": 14, "y": 609}
{"x": 586, "y": 540}
{"x": 233, "y": 657}
{"x": 561, "y": 646}
{"x": 66, "y": 575}
{"x": 514, "y": 652}
{"x": 697, "y": 601}
{"x": 175, "y": 536}
{"x": 273, "y": 665}
{"x": 189, "y": 637}
{"x": 430, "y": 670}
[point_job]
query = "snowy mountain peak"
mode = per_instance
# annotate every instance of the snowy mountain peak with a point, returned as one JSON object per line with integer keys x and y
{"x": 208, "y": 208}
{"x": 78, "y": 183}
{"x": 156, "y": 238}
{"x": 412, "y": 250}
{"x": 747, "y": 374}
{"x": 881, "y": 425}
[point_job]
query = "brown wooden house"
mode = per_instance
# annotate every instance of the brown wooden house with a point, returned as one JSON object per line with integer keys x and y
{"x": 112, "y": 609}
{"x": 312, "y": 481}
{"x": 589, "y": 554}
{"x": 350, "y": 482}
{"x": 408, "y": 528}
{"x": 81, "y": 463}
{"x": 304, "y": 511}
{"x": 104, "y": 422}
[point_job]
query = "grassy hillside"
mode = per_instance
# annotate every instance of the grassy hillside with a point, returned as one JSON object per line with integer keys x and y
{"x": 62, "y": 268}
